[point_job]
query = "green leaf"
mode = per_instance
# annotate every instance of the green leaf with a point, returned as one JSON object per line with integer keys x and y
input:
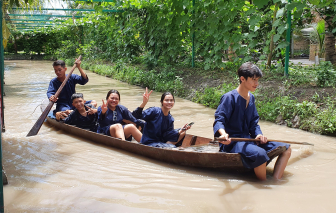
{"x": 251, "y": 35}
{"x": 276, "y": 23}
{"x": 98, "y": 8}
{"x": 281, "y": 29}
{"x": 282, "y": 45}
{"x": 253, "y": 43}
{"x": 207, "y": 66}
{"x": 297, "y": 5}
{"x": 260, "y": 3}
{"x": 280, "y": 13}
{"x": 254, "y": 20}
{"x": 276, "y": 37}
{"x": 298, "y": 14}
{"x": 314, "y": 2}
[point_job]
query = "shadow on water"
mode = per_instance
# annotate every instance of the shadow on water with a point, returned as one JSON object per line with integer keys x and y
{"x": 303, "y": 154}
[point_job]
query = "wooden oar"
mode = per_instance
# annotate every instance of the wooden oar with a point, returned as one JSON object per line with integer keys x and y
{"x": 258, "y": 140}
{"x": 35, "y": 129}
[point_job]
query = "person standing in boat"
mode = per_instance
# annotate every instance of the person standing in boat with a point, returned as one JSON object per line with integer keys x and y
{"x": 83, "y": 116}
{"x": 64, "y": 102}
{"x": 110, "y": 118}
{"x": 237, "y": 116}
{"x": 159, "y": 126}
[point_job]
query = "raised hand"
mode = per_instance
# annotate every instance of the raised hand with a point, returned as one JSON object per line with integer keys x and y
{"x": 78, "y": 62}
{"x": 145, "y": 98}
{"x": 91, "y": 111}
{"x": 104, "y": 107}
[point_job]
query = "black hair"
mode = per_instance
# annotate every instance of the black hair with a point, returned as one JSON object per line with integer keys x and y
{"x": 59, "y": 63}
{"x": 112, "y": 91}
{"x": 77, "y": 95}
{"x": 249, "y": 69}
{"x": 165, "y": 94}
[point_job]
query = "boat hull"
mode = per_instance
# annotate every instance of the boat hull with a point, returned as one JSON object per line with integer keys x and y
{"x": 179, "y": 156}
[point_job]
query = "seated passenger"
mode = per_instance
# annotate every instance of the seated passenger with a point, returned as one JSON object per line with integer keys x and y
{"x": 237, "y": 116}
{"x": 83, "y": 116}
{"x": 110, "y": 118}
{"x": 159, "y": 126}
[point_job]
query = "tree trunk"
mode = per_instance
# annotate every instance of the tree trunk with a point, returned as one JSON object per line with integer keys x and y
{"x": 269, "y": 61}
{"x": 329, "y": 42}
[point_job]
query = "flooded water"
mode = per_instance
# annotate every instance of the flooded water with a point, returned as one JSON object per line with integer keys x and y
{"x": 56, "y": 172}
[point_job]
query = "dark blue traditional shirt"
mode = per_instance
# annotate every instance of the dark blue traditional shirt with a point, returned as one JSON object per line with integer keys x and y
{"x": 158, "y": 127}
{"x": 235, "y": 118}
{"x": 85, "y": 122}
{"x": 114, "y": 117}
{"x": 240, "y": 121}
{"x": 64, "y": 101}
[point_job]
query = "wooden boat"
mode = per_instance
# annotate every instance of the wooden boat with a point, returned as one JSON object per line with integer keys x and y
{"x": 180, "y": 156}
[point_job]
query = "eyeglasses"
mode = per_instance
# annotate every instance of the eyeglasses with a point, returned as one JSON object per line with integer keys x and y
{"x": 115, "y": 115}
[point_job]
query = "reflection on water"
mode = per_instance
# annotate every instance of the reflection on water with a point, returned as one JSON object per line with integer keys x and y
{"x": 55, "y": 172}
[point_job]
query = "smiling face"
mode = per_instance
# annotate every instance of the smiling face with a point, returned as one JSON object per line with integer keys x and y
{"x": 168, "y": 102}
{"x": 113, "y": 100}
{"x": 250, "y": 84}
{"x": 60, "y": 71}
{"x": 78, "y": 103}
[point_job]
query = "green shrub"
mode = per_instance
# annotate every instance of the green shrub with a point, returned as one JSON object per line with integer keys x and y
{"x": 211, "y": 95}
{"x": 326, "y": 75}
{"x": 166, "y": 79}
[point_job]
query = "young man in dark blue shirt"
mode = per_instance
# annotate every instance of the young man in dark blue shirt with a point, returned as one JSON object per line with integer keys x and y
{"x": 237, "y": 116}
{"x": 63, "y": 102}
{"x": 83, "y": 116}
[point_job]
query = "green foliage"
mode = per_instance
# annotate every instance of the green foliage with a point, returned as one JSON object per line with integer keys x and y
{"x": 322, "y": 75}
{"x": 163, "y": 80}
{"x": 211, "y": 96}
{"x": 318, "y": 36}
{"x": 312, "y": 117}
{"x": 326, "y": 75}
{"x": 70, "y": 49}
{"x": 162, "y": 32}
{"x": 33, "y": 42}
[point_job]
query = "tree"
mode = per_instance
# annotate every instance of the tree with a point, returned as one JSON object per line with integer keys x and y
{"x": 326, "y": 10}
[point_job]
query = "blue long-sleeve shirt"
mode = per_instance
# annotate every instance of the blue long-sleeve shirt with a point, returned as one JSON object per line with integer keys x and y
{"x": 85, "y": 122}
{"x": 158, "y": 127}
{"x": 114, "y": 117}
{"x": 64, "y": 101}
{"x": 235, "y": 118}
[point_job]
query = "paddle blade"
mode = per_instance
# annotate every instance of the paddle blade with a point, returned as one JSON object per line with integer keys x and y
{"x": 37, "y": 126}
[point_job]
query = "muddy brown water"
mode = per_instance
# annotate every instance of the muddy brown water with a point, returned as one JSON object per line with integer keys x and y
{"x": 56, "y": 172}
